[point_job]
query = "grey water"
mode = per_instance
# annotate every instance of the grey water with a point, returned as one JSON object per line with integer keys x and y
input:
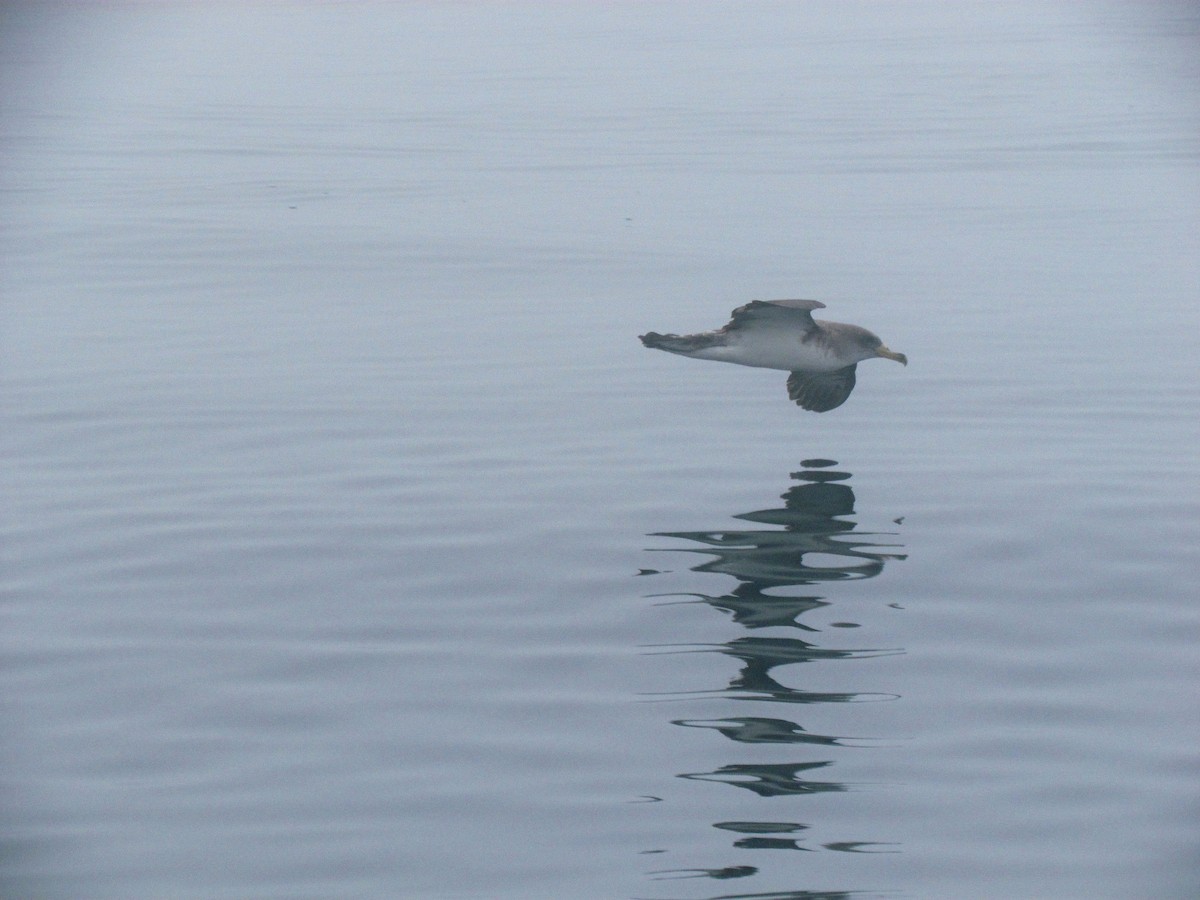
{"x": 354, "y": 547}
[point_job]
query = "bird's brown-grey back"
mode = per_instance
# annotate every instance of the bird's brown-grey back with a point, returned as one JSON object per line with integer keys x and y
{"x": 796, "y": 314}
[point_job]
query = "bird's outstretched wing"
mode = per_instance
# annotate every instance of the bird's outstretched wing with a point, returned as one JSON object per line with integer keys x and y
{"x": 795, "y": 314}
{"x": 821, "y": 391}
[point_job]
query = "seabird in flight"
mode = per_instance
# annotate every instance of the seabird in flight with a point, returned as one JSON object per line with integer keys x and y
{"x": 782, "y": 334}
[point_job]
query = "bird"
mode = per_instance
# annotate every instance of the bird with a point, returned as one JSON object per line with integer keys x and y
{"x": 782, "y": 334}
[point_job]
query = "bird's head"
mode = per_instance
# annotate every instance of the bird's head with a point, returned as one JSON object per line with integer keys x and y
{"x": 871, "y": 346}
{"x": 891, "y": 354}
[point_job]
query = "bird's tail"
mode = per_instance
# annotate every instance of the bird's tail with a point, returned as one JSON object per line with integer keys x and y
{"x": 680, "y": 343}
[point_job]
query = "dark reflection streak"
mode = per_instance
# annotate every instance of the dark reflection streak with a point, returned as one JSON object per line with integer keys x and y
{"x": 814, "y": 521}
{"x": 727, "y": 872}
{"x": 763, "y": 843}
{"x": 772, "y": 652}
{"x": 802, "y": 895}
{"x": 761, "y": 827}
{"x": 753, "y": 608}
{"x": 771, "y": 780}
{"x": 760, "y": 655}
{"x": 860, "y": 846}
{"x": 773, "y": 562}
{"x": 755, "y": 730}
{"x": 783, "y": 695}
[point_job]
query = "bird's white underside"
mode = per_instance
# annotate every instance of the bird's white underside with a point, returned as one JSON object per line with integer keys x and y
{"x": 772, "y": 348}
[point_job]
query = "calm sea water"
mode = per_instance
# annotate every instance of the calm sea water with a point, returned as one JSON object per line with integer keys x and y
{"x": 354, "y": 547}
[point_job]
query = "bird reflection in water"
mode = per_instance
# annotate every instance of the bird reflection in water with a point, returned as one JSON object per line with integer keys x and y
{"x": 810, "y": 541}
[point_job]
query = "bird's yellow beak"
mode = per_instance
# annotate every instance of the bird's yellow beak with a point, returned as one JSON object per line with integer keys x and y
{"x": 891, "y": 354}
